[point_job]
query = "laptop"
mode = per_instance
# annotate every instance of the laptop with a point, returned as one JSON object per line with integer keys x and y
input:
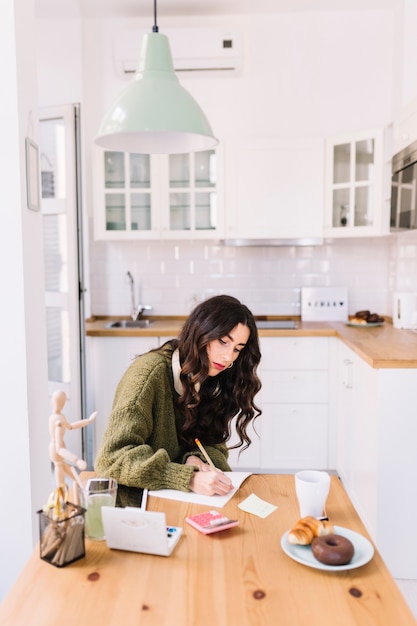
{"x": 138, "y": 530}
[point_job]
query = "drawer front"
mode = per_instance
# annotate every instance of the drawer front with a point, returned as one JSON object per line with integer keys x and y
{"x": 294, "y": 436}
{"x": 288, "y": 353}
{"x": 296, "y": 386}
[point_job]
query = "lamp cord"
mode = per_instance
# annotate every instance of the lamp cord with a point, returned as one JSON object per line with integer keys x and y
{"x": 155, "y": 27}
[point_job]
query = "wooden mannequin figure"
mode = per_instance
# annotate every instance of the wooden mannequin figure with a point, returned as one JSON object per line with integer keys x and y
{"x": 58, "y": 453}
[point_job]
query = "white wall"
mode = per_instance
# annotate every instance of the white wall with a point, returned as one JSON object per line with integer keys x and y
{"x": 24, "y": 459}
{"x": 409, "y": 59}
{"x": 59, "y": 53}
{"x": 173, "y": 276}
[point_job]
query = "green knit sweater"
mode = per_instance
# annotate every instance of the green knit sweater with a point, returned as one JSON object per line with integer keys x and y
{"x": 140, "y": 447}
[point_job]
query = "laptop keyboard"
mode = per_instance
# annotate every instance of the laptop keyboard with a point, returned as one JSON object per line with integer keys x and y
{"x": 171, "y": 533}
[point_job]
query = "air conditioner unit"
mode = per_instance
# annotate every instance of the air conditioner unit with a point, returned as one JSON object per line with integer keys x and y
{"x": 193, "y": 51}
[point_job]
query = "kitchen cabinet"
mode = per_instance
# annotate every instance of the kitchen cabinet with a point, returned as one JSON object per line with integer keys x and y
{"x": 376, "y": 453}
{"x": 293, "y": 428}
{"x": 274, "y": 188}
{"x": 405, "y": 127}
{"x": 109, "y": 359}
{"x": 358, "y": 175}
{"x": 344, "y": 462}
{"x": 141, "y": 196}
{"x": 357, "y": 433}
{"x": 294, "y": 400}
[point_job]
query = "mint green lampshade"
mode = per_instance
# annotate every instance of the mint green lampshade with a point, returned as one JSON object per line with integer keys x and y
{"x": 154, "y": 114}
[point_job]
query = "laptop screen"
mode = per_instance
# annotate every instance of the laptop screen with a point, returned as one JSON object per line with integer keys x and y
{"x": 129, "y": 496}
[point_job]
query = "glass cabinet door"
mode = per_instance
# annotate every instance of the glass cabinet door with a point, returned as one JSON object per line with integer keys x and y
{"x": 192, "y": 191}
{"x": 353, "y": 183}
{"x": 127, "y": 181}
{"x": 358, "y": 183}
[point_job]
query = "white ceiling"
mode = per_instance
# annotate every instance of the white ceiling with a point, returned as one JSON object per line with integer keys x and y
{"x": 144, "y": 8}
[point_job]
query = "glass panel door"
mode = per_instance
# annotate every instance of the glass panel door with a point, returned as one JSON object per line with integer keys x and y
{"x": 62, "y": 229}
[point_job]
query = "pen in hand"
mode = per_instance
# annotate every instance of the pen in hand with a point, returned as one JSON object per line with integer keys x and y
{"x": 206, "y": 456}
{"x": 222, "y": 484}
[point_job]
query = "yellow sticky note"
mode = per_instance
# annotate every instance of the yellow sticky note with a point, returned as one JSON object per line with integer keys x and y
{"x": 257, "y": 506}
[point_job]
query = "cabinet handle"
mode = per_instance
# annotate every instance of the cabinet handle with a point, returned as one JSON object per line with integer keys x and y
{"x": 347, "y": 378}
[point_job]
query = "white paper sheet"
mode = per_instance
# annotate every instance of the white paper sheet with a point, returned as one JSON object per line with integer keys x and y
{"x": 216, "y": 501}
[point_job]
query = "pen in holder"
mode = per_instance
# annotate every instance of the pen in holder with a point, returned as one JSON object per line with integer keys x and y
{"x": 61, "y": 530}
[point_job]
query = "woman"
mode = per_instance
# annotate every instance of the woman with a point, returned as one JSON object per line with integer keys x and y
{"x": 189, "y": 388}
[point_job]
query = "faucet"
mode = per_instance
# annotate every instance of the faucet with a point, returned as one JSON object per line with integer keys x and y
{"x": 137, "y": 309}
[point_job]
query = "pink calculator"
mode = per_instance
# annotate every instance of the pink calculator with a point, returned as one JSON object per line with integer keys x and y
{"x": 211, "y": 522}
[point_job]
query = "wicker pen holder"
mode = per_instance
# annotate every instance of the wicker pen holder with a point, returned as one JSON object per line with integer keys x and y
{"x": 62, "y": 539}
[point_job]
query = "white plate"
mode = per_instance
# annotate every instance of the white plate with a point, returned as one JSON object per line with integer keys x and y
{"x": 358, "y": 325}
{"x": 364, "y": 551}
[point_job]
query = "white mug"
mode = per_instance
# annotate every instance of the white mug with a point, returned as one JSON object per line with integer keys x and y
{"x": 312, "y": 488}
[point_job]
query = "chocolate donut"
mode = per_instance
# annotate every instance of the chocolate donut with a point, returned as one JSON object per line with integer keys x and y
{"x": 374, "y": 318}
{"x": 332, "y": 549}
{"x": 362, "y": 314}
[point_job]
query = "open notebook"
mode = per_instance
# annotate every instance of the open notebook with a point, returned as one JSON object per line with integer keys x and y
{"x": 237, "y": 479}
{"x": 137, "y": 530}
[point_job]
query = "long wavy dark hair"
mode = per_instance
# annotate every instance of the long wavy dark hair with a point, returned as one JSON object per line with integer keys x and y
{"x": 209, "y": 403}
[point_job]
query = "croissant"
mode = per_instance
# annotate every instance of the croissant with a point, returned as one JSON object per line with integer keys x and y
{"x": 307, "y": 528}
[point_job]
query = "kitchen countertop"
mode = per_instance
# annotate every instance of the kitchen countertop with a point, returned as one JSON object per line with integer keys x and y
{"x": 381, "y": 346}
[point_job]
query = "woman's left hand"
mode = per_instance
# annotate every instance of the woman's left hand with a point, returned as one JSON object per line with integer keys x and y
{"x": 195, "y": 460}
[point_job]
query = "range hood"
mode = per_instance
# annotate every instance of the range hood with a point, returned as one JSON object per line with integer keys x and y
{"x": 302, "y": 241}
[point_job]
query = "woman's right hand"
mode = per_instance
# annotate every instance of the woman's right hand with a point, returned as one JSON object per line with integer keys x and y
{"x": 211, "y": 483}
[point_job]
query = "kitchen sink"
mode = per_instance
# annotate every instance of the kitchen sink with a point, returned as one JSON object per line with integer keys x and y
{"x": 276, "y": 324}
{"x": 130, "y": 324}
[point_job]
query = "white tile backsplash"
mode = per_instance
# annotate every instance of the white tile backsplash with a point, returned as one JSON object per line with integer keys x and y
{"x": 173, "y": 276}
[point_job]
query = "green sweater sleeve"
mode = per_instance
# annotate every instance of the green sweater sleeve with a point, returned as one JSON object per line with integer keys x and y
{"x": 140, "y": 447}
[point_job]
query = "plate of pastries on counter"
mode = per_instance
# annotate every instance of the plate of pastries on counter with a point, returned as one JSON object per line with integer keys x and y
{"x": 318, "y": 544}
{"x": 365, "y": 319}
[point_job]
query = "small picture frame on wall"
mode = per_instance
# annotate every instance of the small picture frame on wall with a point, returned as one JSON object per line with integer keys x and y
{"x": 32, "y": 175}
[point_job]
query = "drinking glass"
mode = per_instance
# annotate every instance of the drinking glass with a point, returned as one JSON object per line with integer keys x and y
{"x": 98, "y": 492}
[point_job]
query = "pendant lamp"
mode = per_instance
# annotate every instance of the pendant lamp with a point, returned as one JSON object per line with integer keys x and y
{"x": 154, "y": 114}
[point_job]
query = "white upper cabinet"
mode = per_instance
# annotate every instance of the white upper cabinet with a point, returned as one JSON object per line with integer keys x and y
{"x": 274, "y": 188}
{"x": 405, "y": 128}
{"x": 140, "y": 196}
{"x": 357, "y": 184}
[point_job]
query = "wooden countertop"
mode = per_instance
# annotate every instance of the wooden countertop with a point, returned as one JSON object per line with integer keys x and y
{"x": 238, "y": 577}
{"x": 381, "y": 347}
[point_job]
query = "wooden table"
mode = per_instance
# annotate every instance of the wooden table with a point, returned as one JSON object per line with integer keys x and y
{"x": 238, "y": 577}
